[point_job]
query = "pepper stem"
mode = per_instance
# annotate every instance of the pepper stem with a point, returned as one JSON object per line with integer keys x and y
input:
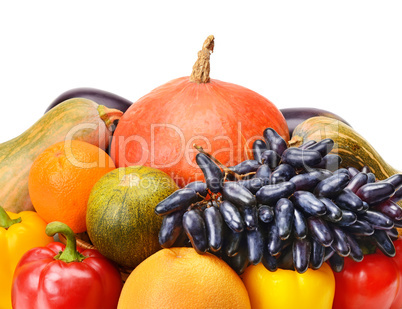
{"x": 5, "y": 220}
{"x": 201, "y": 67}
{"x": 70, "y": 253}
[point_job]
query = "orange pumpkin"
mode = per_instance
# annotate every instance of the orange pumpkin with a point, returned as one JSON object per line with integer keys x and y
{"x": 160, "y": 129}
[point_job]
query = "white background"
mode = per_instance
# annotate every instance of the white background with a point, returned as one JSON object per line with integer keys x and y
{"x": 342, "y": 56}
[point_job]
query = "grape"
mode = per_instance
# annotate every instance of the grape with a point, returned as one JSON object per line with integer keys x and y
{"x": 348, "y": 218}
{"x": 245, "y": 167}
{"x": 307, "y": 144}
{"x": 284, "y": 216}
{"x": 317, "y": 254}
{"x": 340, "y": 244}
{"x": 269, "y": 261}
{"x": 259, "y": 147}
{"x": 332, "y": 186}
{"x": 384, "y": 243}
{"x": 341, "y": 170}
{"x": 270, "y": 194}
{"x": 274, "y": 141}
{"x": 375, "y": 193}
{"x": 270, "y": 158}
{"x": 377, "y": 220}
{"x": 353, "y": 171}
{"x": 393, "y": 233}
{"x": 390, "y": 209}
{"x": 255, "y": 243}
{"x": 282, "y": 173}
{"x": 290, "y": 208}
{"x": 250, "y": 217}
{"x": 328, "y": 253}
{"x": 231, "y": 216}
{"x": 238, "y": 195}
{"x": 308, "y": 181}
{"x": 199, "y": 187}
{"x": 330, "y": 162}
{"x": 265, "y": 213}
{"x": 212, "y": 172}
{"x": 356, "y": 252}
{"x": 365, "y": 169}
{"x": 360, "y": 228}
{"x": 232, "y": 242}
{"x": 397, "y": 195}
{"x": 274, "y": 242}
{"x": 178, "y": 200}
{"x": 357, "y": 181}
{"x": 348, "y": 200}
{"x": 253, "y": 184}
{"x": 370, "y": 178}
{"x": 301, "y": 254}
{"x": 171, "y": 228}
{"x": 365, "y": 207}
{"x": 336, "y": 262}
{"x": 320, "y": 231}
{"x": 214, "y": 225}
{"x": 299, "y": 158}
{"x": 309, "y": 203}
{"x": 263, "y": 172}
{"x": 299, "y": 224}
{"x": 194, "y": 226}
{"x": 333, "y": 213}
{"x": 323, "y": 147}
{"x": 395, "y": 180}
{"x": 239, "y": 262}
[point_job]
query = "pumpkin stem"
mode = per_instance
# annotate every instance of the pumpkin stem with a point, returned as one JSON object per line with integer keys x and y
{"x": 109, "y": 115}
{"x": 201, "y": 67}
{"x": 70, "y": 253}
{"x": 5, "y": 220}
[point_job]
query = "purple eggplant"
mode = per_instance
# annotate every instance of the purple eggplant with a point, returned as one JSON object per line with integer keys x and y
{"x": 297, "y": 115}
{"x": 100, "y": 97}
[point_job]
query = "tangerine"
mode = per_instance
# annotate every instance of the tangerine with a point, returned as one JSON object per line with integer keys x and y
{"x": 61, "y": 179}
{"x": 181, "y": 278}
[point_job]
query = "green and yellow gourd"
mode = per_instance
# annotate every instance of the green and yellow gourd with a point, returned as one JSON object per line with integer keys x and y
{"x": 354, "y": 150}
{"x": 77, "y": 118}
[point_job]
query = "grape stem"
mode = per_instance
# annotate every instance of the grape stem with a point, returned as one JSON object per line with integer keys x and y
{"x": 223, "y": 167}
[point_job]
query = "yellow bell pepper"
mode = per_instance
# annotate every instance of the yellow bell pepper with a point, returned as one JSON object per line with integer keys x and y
{"x": 287, "y": 289}
{"x": 18, "y": 234}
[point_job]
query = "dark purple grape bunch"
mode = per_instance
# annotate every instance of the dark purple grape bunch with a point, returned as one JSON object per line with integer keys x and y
{"x": 289, "y": 207}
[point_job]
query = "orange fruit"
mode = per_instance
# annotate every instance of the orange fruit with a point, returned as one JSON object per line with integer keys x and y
{"x": 61, "y": 179}
{"x": 181, "y": 278}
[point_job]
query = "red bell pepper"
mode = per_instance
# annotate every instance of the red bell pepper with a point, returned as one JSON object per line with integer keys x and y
{"x": 58, "y": 276}
{"x": 373, "y": 283}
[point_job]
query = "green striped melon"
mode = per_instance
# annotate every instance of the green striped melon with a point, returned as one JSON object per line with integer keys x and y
{"x": 121, "y": 221}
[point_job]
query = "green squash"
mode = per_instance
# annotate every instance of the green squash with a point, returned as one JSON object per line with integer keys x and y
{"x": 76, "y": 118}
{"x": 121, "y": 221}
{"x": 353, "y": 148}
